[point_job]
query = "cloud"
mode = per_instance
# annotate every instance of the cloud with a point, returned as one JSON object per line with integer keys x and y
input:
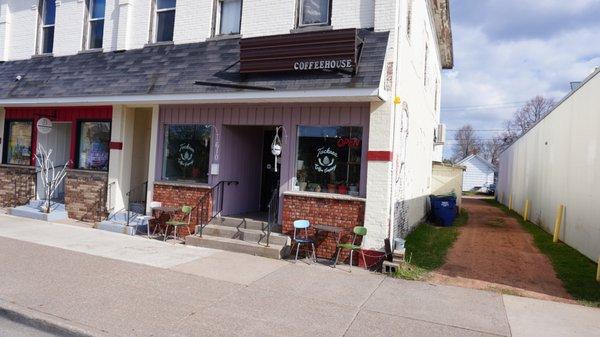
{"x": 509, "y": 51}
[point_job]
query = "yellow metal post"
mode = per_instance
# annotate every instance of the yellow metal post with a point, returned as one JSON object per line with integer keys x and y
{"x": 558, "y": 222}
{"x": 598, "y": 272}
{"x": 526, "y": 211}
{"x": 510, "y": 202}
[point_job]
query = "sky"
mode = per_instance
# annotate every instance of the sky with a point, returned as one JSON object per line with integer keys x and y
{"x": 508, "y": 51}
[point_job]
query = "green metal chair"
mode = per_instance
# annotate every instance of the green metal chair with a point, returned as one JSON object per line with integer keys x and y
{"x": 359, "y": 231}
{"x": 187, "y": 212}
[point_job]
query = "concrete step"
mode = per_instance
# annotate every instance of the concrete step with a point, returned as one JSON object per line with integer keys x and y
{"x": 234, "y": 222}
{"x": 234, "y": 245}
{"x": 248, "y": 235}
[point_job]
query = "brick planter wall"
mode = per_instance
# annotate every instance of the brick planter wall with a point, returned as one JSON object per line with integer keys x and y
{"x": 178, "y": 195}
{"x": 23, "y": 177}
{"x": 324, "y": 211}
{"x": 85, "y": 194}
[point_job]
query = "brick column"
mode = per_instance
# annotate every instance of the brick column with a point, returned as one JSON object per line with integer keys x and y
{"x": 85, "y": 194}
{"x": 379, "y": 176}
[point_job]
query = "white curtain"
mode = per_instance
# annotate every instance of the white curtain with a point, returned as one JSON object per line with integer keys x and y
{"x": 231, "y": 11}
{"x": 315, "y": 11}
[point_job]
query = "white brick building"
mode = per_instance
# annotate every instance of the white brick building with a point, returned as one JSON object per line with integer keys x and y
{"x": 147, "y": 67}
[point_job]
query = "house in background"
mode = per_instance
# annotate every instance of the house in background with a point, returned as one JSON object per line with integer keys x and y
{"x": 478, "y": 173}
{"x": 171, "y": 101}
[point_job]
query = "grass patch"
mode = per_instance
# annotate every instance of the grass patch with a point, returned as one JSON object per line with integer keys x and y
{"x": 577, "y": 272}
{"x": 427, "y": 246}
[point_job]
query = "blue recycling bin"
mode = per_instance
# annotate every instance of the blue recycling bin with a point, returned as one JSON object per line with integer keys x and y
{"x": 443, "y": 210}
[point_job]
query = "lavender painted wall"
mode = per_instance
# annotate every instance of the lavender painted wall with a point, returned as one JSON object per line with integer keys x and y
{"x": 288, "y": 115}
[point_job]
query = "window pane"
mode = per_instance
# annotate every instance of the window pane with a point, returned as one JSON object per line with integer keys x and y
{"x": 18, "y": 149}
{"x": 164, "y": 27}
{"x": 315, "y": 12}
{"x": 187, "y": 152}
{"x": 49, "y": 12}
{"x": 162, "y": 4}
{"x": 48, "y": 40}
{"x": 329, "y": 159}
{"x": 94, "y": 140}
{"x": 97, "y": 9}
{"x": 96, "y": 33}
{"x": 231, "y": 14}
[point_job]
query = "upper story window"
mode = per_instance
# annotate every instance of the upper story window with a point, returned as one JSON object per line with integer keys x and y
{"x": 47, "y": 20}
{"x": 164, "y": 20}
{"x": 314, "y": 13}
{"x": 229, "y": 17}
{"x": 95, "y": 23}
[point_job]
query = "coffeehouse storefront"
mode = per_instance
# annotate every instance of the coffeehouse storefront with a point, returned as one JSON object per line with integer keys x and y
{"x": 224, "y": 126}
{"x": 311, "y": 153}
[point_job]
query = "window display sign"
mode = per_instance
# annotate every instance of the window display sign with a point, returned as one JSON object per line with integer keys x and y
{"x": 44, "y": 126}
{"x": 329, "y": 159}
{"x": 94, "y": 141}
{"x": 18, "y": 148}
{"x": 326, "y": 160}
{"x": 187, "y": 152}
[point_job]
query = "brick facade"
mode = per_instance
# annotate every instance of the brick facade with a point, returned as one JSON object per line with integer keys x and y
{"x": 20, "y": 177}
{"x": 326, "y": 211}
{"x": 176, "y": 195}
{"x": 85, "y": 194}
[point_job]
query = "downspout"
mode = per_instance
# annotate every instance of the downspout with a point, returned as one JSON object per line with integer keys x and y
{"x": 394, "y": 112}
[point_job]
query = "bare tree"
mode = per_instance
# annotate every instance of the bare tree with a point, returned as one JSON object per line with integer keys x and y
{"x": 467, "y": 143}
{"x": 49, "y": 175}
{"x": 491, "y": 148}
{"x": 527, "y": 116}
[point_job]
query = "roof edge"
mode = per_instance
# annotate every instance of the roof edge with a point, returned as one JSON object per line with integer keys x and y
{"x": 443, "y": 26}
{"x": 331, "y": 95}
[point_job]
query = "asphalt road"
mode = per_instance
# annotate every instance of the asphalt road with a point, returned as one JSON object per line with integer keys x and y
{"x": 9, "y": 328}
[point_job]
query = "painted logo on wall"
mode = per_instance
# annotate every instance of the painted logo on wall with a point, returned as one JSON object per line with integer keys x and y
{"x": 326, "y": 160}
{"x": 186, "y": 155}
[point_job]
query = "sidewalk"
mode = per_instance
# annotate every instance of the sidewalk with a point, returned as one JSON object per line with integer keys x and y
{"x": 126, "y": 286}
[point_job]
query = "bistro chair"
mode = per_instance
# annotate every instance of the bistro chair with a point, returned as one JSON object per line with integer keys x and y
{"x": 359, "y": 231}
{"x": 176, "y": 224}
{"x": 300, "y": 239}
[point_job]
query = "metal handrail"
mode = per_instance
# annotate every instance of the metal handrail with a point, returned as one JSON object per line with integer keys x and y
{"x": 144, "y": 187}
{"x": 202, "y": 207}
{"x": 273, "y": 215}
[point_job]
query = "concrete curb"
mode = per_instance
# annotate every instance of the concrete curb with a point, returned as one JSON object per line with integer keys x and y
{"x": 45, "y": 322}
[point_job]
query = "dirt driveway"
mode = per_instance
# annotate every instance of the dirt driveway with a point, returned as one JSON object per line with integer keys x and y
{"x": 493, "y": 252}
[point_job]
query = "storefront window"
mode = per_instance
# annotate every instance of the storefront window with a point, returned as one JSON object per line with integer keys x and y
{"x": 18, "y": 143}
{"x": 94, "y": 140}
{"x": 187, "y": 152}
{"x": 329, "y": 159}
